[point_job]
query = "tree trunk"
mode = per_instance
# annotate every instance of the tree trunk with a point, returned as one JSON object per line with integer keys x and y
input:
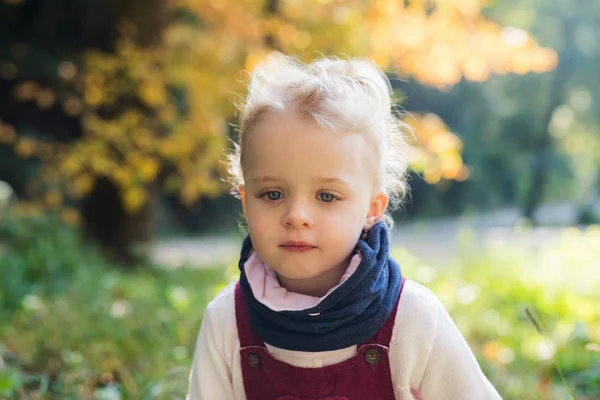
{"x": 271, "y": 10}
{"x": 118, "y": 232}
{"x": 542, "y": 140}
{"x": 587, "y": 212}
{"x": 62, "y": 30}
{"x": 105, "y": 219}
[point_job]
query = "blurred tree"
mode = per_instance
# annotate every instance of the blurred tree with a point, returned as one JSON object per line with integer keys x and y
{"x": 542, "y": 140}
{"x": 504, "y": 121}
{"x": 567, "y": 124}
{"x": 121, "y": 100}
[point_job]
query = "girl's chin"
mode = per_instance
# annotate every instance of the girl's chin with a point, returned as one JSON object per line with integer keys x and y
{"x": 299, "y": 278}
{"x": 304, "y": 277}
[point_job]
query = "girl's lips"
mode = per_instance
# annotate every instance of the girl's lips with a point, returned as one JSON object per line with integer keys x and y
{"x": 297, "y": 247}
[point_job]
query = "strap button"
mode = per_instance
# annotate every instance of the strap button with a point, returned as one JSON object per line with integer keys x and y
{"x": 372, "y": 356}
{"x": 254, "y": 360}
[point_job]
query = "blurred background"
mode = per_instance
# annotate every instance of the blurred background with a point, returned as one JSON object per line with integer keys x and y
{"x": 116, "y": 228}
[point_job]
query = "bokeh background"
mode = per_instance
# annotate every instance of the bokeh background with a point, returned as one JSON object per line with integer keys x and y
{"x": 116, "y": 228}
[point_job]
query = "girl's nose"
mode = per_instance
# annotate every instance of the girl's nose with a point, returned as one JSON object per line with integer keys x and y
{"x": 297, "y": 216}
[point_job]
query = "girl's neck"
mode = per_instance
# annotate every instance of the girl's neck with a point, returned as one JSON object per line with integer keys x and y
{"x": 319, "y": 285}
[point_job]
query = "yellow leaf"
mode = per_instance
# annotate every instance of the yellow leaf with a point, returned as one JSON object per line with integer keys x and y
{"x": 133, "y": 199}
{"x": 432, "y": 174}
{"x": 444, "y": 142}
{"x": 8, "y": 134}
{"x": 53, "y": 198}
{"x": 143, "y": 138}
{"x": 82, "y": 185}
{"x": 255, "y": 57}
{"x": 70, "y": 216}
{"x": 123, "y": 176}
{"x": 25, "y": 147}
{"x": 71, "y": 164}
{"x": 67, "y": 70}
{"x": 93, "y": 96}
{"x": 45, "y": 99}
{"x": 476, "y": 69}
{"x": 101, "y": 165}
{"x": 152, "y": 94}
{"x": 491, "y": 350}
{"x": 463, "y": 174}
{"x": 450, "y": 165}
{"x": 26, "y": 91}
{"x": 544, "y": 59}
{"x": 73, "y": 106}
{"x": 148, "y": 169}
{"x": 521, "y": 62}
{"x": 301, "y": 40}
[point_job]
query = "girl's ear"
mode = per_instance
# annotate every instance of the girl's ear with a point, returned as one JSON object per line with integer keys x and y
{"x": 376, "y": 209}
{"x": 242, "y": 190}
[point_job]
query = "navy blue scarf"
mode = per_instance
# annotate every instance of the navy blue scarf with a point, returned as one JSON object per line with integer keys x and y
{"x": 351, "y": 314}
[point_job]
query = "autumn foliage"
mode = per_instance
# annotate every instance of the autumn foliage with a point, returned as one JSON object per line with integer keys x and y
{"x": 158, "y": 112}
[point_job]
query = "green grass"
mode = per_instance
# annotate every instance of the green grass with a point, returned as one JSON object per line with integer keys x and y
{"x": 72, "y": 326}
{"x": 487, "y": 292}
{"x": 75, "y": 327}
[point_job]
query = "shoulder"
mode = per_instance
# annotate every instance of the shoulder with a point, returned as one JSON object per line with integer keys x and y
{"x": 413, "y": 335}
{"x": 417, "y": 315}
{"x": 222, "y": 307}
{"x": 417, "y": 299}
{"x": 219, "y": 318}
{"x": 216, "y": 372}
{"x": 224, "y": 301}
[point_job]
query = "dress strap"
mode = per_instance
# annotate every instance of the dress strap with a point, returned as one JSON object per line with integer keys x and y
{"x": 246, "y": 333}
{"x": 384, "y": 335}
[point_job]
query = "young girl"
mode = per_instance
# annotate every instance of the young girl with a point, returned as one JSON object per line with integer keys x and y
{"x": 321, "y": 311}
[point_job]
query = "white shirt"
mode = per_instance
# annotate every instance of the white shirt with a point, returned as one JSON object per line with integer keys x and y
{"x": 429, "y": 358}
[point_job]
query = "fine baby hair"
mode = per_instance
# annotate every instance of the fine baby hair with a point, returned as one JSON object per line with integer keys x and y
{"x": 340, "y": 96}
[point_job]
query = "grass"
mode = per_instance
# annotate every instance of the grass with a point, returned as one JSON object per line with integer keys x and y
{"x": 72, "y": 326}
{"x": 488, "y": 292}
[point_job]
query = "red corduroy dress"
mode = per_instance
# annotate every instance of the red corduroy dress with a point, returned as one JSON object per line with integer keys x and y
{"x": 366, "y": 376}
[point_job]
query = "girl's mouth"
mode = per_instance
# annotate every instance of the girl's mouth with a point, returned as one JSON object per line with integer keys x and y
{"x": 297, "y": 247}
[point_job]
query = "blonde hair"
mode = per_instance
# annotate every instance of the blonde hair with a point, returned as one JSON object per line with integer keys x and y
{"x": 340, "y": 96}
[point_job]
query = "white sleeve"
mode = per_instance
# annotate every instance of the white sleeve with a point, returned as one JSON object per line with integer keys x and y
{"x": 452, "y": 371}
{"x": 210, "y": 376}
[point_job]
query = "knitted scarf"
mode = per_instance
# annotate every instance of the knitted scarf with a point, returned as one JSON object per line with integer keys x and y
{"x": 349, "y": 315}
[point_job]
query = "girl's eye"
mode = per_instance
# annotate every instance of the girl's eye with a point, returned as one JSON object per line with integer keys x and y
{"x": 273, "y": 196}
{"x": 326, "y": 197}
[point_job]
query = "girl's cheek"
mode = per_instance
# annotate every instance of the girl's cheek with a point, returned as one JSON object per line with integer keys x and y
{"x": 260, "y": 216}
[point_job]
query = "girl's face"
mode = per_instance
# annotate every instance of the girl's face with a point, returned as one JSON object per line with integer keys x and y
{"x": 307, "y": 196}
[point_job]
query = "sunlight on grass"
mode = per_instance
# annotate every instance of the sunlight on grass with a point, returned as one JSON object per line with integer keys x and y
{"x": 74, "y": 326}
{"x": 487, "y": 290}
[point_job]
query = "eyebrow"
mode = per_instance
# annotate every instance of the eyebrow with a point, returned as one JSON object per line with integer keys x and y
{"x": 264, "y": 179}
{"x": 332, "y": 180}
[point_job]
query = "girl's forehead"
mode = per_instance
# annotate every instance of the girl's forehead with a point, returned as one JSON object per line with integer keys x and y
{"x": 295, "y": 144}
{"x": 290, "y": 137}
{"x": 303, "y": 151}
{"x": 289, "y": 128}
